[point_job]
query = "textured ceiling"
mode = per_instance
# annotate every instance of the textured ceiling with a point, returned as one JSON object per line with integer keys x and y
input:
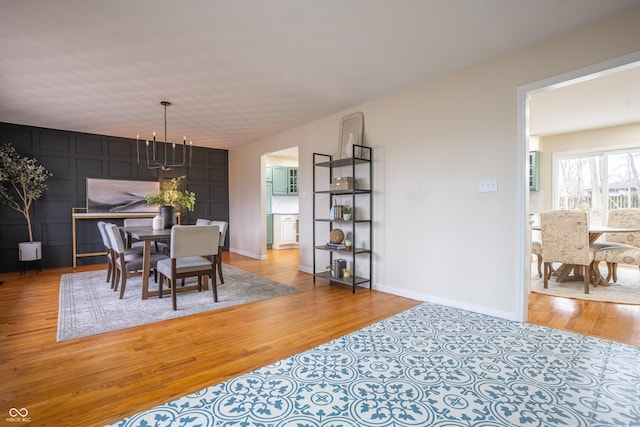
{"x": 240, "y": 70}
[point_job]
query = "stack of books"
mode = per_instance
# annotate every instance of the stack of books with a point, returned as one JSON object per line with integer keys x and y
{"x": 330, "y": 245}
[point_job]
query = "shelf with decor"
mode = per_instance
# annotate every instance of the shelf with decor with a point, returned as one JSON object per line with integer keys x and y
{"x": 343, "y": 199}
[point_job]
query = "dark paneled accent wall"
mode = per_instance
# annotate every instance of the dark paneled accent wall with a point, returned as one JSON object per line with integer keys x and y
{"x": 72, "y": 157}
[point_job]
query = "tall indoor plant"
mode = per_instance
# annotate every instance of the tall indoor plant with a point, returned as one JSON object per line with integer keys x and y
{"x": 22, "y": 181}
{"x": 169, "y": 198}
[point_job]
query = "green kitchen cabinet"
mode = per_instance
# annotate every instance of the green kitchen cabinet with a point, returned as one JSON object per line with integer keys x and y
{"x": 285, "y": 181}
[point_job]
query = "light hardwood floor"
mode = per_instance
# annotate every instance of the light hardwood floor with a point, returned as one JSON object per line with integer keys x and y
{"x": 100, "y": 379}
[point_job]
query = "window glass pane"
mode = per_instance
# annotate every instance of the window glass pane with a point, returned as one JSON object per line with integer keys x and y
{"x": 622, "y": 179}
{"x": 579, "y": 184}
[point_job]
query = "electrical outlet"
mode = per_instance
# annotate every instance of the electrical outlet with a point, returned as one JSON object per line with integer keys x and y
{"x": 488, "y": 185}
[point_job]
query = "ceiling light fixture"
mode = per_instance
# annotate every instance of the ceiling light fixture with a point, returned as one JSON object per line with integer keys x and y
{"x": 159, "y": 156}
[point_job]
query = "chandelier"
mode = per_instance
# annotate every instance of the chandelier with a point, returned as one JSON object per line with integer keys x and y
{"x": 160, "y": 155}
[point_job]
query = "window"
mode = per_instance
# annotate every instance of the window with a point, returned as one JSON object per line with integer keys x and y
{"x": 597, "y": 181}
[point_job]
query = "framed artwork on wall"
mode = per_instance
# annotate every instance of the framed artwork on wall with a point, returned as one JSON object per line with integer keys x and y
{"x": 351, "y": 132}
{"x": 113, "y": 195}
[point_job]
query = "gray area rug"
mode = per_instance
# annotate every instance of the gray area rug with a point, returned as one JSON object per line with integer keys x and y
{"x": 625, "y": 291}
{"x": 88, "y": 305}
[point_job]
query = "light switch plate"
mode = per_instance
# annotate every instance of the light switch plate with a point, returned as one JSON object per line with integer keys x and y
{"x": 488, "y": 185}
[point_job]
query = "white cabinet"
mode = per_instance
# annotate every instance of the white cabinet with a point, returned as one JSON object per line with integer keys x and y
{"x": 285, "y": 231}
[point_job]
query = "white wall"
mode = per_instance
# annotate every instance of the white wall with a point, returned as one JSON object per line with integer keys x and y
{"x": 436, "y": 237}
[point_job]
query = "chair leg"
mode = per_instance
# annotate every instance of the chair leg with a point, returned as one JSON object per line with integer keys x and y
{"x": 547, "y": 273}
{"x": 214, "y": 284}
{"x": 614, "y": 271}
{"x": 587, "y": 276}
{"x": 109, "y": 271}
{"x": 173, "y": 294}
{"x": 219, "y": 262}
{"x": 539, "y": 265}
{"x": 124, "y": 284}
{"x": 116, "y": 279}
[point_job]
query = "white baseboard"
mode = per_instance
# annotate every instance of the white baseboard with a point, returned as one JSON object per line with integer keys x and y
{"x": 305, "y": 269}
{"x": 249, "y": 254}
{"x": 448, "y": 302}
{"x": 436, "y": 300}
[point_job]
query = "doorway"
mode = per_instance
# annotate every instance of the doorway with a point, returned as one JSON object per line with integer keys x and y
{"x": 567, "y": 96}
{"x": 281, "y": 199}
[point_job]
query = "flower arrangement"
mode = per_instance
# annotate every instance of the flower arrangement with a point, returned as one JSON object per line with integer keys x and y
{"x": 26, "y": 180}
{"x": 170, "y": 195}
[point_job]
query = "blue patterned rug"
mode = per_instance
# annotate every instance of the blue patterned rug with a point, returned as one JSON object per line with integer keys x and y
{"x": 428, "y": 366}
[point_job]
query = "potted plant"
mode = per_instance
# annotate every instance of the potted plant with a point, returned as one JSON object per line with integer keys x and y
{"x": 346, "y": 213}
{"x": 25, "y": 183}
{"x": 169, "y": 198}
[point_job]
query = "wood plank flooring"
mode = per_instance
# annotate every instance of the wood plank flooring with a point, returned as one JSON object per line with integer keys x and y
{"x": 100, "y": 379}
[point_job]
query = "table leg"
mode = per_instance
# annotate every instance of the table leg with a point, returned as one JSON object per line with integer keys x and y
{"x": 146, "y": 268}
{"x": 598, "y": 280}
{"x": 73, "y": 241}
{"x": 563, "y": 273}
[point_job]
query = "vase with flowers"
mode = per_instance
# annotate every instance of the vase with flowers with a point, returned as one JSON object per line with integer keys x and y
{"x": 169, "y": 198}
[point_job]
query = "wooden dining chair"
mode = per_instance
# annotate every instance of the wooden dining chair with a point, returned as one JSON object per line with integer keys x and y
{"x": 565, "y": 239}
{"x": 223, "y": 225}
{"x": 125, "y": 264}
{"x": 128, "y": 263}
{"x": 193, "y": 254}
{"x": 107, "y": 245}
{"x": 111, "y": 254}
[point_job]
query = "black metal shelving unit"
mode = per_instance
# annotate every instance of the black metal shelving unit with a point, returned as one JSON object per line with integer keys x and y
{"x": 359, "y": 165}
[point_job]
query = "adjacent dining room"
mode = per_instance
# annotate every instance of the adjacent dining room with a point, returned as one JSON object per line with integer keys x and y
{"x": 583, "y": 190}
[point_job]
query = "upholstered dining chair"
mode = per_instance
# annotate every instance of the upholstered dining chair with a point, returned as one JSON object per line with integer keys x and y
{"x": 223, "y": 225}
{"x": 107, "y": 245}
{"x": 565, "y": 239}
{"x": 111, "y": 255}
{"x": 618, "y": 248}
{"x": 127, "y": 263}
{"x": 192, "y": 254}
{"x": 536, "y": 249}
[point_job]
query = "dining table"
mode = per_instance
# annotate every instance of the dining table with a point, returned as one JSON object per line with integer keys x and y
{"x": 595, "y": 231}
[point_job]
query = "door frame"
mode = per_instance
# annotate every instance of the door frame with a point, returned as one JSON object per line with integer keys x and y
{"x": 523, "y": 237}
